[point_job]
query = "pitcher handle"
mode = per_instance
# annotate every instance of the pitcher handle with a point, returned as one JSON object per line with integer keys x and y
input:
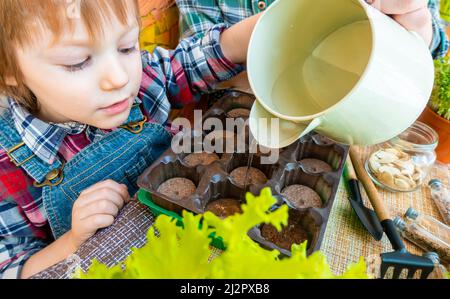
{"x": 314, "y": 124}
{"x": 273, "y": 132}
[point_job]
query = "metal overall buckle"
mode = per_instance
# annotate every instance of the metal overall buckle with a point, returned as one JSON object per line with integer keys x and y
{"x": 135, "y": 127}
{"x": 56, "y": 174}
{"x": 51, "y": 176}
{"x": 15, "y": 148}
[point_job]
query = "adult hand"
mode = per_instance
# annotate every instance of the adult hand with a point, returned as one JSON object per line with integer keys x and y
{"x": 414, "y": 15}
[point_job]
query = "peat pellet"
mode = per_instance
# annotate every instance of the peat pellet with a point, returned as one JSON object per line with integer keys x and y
{"x": 293, "y": 233}
{"x": 196, "y": 159}
{"x": 302, "y": 197}
{"x": 224, "y": 207}
{"x": 315, "y": 166}
{"x": 255, "y": 176}
{"x": 238, "y": 113}
{"x": 177, "y": 188}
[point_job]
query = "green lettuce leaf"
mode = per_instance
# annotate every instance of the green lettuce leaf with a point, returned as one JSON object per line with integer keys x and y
{"x": 176, "y": 252}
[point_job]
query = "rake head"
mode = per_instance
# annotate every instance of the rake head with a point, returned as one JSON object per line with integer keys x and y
{"x": 402, "y": 260}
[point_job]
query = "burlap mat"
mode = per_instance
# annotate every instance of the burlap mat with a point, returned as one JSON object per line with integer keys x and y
{"x": 109, "y": 246}
{"x": 345, "y": 239}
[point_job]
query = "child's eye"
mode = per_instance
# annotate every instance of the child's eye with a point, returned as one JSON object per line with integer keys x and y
{"x": 127, "y": 50}
{"x": 78, "y": 66}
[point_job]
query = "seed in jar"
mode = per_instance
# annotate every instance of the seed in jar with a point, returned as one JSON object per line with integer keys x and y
{"x": 374, "y": 164}
{"x": 302, "y": 197}
{"x": 420, "y": 173}
{"x": 407, "y": 179}
{"x": 391, "y": 170}
{"x": 395, "y": 169}
{"x": 407, "y": 167}
{"x": 392, "y": 151}
{"x": 385, "y": 157}
{"x": 417, "y": 176}
{"x": 255, "y": 176}
{"x": 401, "y": 184}
{"x": 177, "y": 188}
{"x": 404, "y": 156}
{"x": 386, "y": 177}
{"x": 196, "y": 159}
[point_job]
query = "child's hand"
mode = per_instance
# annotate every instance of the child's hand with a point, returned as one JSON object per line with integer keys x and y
{"x": 96, "y": 208}
{"x": 414, "y": 15}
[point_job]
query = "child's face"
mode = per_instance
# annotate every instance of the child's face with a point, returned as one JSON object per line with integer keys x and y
{"x": 74, "y": 80}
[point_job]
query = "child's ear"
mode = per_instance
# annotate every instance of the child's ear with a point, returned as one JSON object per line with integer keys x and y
{"x": 11, "y": 81}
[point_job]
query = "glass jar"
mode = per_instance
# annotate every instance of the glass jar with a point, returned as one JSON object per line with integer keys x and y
{"x": 418, "y": 235}
{"x": 431, "y": 224}
{"x": 441, "y": 197}
{"x": 402, "y": 163}
{"x": 439, "y": 271}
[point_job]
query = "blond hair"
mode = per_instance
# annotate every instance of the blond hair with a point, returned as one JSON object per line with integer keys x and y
{"x": 23, "y": 20}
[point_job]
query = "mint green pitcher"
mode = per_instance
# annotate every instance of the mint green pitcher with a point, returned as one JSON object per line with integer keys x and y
{"x": 339, "y": 67}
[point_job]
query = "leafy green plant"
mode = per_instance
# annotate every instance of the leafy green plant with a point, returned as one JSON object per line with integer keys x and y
{"x": 440, "y": 98}
{"x": 185, "y": 252}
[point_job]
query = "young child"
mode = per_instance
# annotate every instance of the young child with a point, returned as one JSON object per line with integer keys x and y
{"x": 85, "y": 117}
{"x": 421, "y": 16}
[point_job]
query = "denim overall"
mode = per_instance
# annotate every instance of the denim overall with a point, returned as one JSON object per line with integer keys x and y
{"x": 121, "y": 155}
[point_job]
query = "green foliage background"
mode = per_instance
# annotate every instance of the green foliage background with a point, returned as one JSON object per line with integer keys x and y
{"x": 440, "y": 98}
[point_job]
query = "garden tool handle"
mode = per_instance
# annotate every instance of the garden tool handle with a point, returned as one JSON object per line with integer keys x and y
{"x": 369, "y": 186}
{"x": 352, "y": 181}
{"x": 351, "y": 174}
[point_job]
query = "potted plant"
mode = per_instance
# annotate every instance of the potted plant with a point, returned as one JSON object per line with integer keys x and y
{"x": 437, "y": 112}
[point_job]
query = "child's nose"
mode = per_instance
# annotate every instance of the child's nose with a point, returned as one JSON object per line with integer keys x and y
{"x": 114, "y": 76}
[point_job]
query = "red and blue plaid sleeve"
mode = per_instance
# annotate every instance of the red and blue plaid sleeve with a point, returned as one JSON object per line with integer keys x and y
{"x": 179, "y": 77}
{"x": 14, "y": 252}
{"x": 23, "y": 227}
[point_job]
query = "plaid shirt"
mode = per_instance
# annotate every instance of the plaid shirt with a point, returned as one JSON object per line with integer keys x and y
{"x": 200, "y": 15}
{"x": 195, "y": 66}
